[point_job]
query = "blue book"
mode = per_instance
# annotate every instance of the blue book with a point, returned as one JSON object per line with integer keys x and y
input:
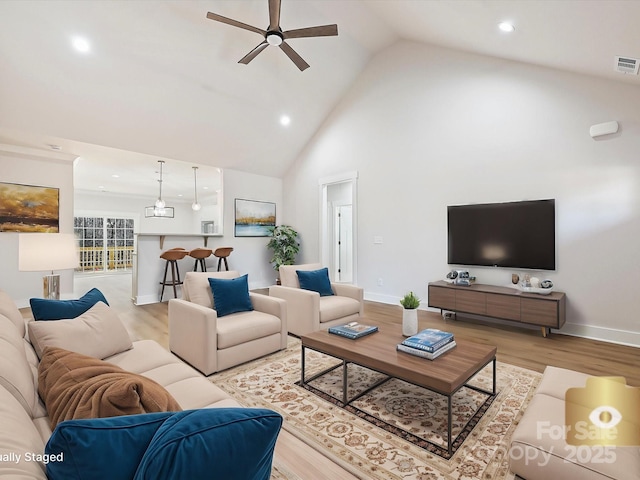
{"x": 353, "y": 330}
{"x": 429, "y": 340}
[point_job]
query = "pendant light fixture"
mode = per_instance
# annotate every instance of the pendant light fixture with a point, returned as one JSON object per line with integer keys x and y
{"x": 159, "y": 209}
{"x": 159, "y": 202}
{"x": 195, "y": 205}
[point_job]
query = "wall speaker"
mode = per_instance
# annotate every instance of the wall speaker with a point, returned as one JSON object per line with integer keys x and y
{"x": 603, "y": 129}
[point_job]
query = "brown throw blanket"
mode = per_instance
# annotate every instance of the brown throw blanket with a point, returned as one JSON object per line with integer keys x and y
{"x": 73, "y": 385}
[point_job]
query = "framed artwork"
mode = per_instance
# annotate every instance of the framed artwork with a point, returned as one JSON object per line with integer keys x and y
{"x": 253, "y": 218}
{"x": 27, "y": 208}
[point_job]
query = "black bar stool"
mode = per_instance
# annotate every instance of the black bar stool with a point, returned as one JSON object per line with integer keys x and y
{"x": 222, "y": 253}
{"x": 172, "y": 256}
{"x": 200, "y": 254}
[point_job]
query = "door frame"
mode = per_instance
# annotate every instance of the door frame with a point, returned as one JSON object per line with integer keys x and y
{"x": 325, "y": 242}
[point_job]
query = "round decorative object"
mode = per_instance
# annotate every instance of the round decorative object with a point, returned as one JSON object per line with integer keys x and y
{"x": 515, "y": 278}
{"x": 535, "y": 282}
{"x": 546, "y": 284}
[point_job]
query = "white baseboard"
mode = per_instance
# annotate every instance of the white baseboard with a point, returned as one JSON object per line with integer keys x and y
{"x": 604, "y": 334}
{"x": 148, "y": 299}
{"x": 380, "y": 298}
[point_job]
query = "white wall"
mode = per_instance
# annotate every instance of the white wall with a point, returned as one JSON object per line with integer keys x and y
{"x": 427, "y": 127}
{"x": 250, "y": 254}
{"x": 34, "y": 167}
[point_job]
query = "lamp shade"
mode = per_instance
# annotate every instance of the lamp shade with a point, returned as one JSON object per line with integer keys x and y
{"x": 38, "y": 252}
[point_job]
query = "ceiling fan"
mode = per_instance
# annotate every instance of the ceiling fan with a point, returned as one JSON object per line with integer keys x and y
{"x": 274, "y": 35}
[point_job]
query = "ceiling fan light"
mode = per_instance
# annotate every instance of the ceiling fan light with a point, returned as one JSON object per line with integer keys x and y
{"x": 274, "y": 39}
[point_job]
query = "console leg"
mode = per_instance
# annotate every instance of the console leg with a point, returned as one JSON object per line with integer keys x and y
{"x": 545, "y": 331}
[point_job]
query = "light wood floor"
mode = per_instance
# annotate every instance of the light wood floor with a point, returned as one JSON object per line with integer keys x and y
{"x": 517, "y": 346}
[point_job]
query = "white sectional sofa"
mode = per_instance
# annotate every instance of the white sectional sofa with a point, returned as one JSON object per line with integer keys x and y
{"x": 539, "y": 451}
{"x": 24, "y": 423}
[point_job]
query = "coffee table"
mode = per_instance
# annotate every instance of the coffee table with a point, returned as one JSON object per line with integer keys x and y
{"x": 445, "y": 375}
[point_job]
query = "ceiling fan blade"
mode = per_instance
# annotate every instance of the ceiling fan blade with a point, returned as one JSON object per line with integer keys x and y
{"x": 321, "y": 31}
{"x": 253, "y": 53}
{"x": 274, "y": 14}
{"x": 295, "y": 58}
{"x": 235, "y": 23}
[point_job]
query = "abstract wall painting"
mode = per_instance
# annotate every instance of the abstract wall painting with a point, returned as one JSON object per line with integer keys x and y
{"x": 28, "y": 208}
{"x": 254, "y": 218}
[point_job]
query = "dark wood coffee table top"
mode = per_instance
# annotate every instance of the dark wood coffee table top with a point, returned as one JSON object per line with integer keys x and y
{"x": 446, "y": 374}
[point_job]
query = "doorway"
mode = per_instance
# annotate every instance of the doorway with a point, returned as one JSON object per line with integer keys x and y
{"x": 338, "y": 218}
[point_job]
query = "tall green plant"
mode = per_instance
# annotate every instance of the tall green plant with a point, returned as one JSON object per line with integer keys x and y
{"x": 284, "y": 245}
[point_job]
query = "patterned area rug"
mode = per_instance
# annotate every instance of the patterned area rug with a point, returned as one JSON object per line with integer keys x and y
{"x": 368, "y": 449}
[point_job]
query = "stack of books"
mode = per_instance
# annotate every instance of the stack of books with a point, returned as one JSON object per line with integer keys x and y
{"x": 353, "y": 330}
{"x": 429, "y": 343}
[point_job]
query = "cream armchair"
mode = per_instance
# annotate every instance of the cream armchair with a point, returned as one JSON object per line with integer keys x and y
{"x": 211, "y": 343}
{"x": 307, "y": 311}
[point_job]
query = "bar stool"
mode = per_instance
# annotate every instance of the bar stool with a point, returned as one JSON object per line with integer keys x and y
{"x": 172, "y": 256}
{"x": 200, "y": 254}
{"x": 222, "y": 253}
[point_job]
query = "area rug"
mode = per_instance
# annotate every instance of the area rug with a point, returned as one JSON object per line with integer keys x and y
{"x": 366, "y": 449}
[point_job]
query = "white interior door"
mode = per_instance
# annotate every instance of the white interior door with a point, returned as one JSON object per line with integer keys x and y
{"x": 343, "y": 243}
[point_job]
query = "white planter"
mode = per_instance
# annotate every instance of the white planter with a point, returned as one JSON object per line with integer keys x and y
{"x": 409, "y": 321}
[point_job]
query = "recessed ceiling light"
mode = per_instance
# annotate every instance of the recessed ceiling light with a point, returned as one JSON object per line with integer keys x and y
{"x": 506, "y": 27}
{"x": 285, "y": 120}
{"x": 180, "y": 195}
{"x": 81, "y": 44}
{"x": 115, "y": 175}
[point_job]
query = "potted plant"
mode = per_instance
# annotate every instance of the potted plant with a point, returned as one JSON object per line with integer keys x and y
{"x": 284, "y": 245}
{"x": 410, "y": 304}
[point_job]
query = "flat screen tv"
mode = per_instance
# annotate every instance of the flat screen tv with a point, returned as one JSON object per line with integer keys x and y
{"x": 513, "y": 234}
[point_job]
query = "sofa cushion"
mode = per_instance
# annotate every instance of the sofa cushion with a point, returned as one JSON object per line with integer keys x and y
{"x": 19, "y": 438}
{"x": 538, "y": 449}
{"x": 122, "y": 443}
{"x": 15, "y": 372}
{"x": 196, "y": 288}
{"x": 47, "y": 309}
{"x": 316, "y": 281}
{"x": 556, "y": 381}
{"x": 73, "y": 386}
{"x": 196, "y": 443}
{"x": 334, "y": 307}
{"x": 289, "y": 275}
{"x": 10, "y": 310}
{"x": 243, "y": 327}
{"x": 98, "y": 333}
{"x": 231, "y": 295}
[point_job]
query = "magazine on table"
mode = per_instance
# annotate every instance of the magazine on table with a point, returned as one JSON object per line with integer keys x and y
{"x": 353, "y": 330}
{"x": 429, "y": 340}
{"x": 429, "y": 355}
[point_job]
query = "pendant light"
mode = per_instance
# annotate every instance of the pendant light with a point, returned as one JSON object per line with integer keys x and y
{"x": 195, "y": 205}
{"x": 159, "y": 202}
{"x": 159, "y": 209}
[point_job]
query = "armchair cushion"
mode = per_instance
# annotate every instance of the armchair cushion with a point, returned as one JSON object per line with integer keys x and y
{"x": 316, "y": 281}
{"x": 231, "y": 295}
{"x": 335, "y": 307}
{"x": 196, "y": 288}
{"x": 47, "y": 309}
{"x": 289, "y": 276}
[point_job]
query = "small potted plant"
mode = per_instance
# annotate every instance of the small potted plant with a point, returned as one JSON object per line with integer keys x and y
{"x": 284, "y": 246}
{"x": 410, "y": 304}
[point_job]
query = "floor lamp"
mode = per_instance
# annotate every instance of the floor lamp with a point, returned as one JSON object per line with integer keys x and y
{"x": 38, "y": 252}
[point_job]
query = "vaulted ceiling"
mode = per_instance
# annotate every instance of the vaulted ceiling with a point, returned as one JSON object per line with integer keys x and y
{"x": 163, "y": 81}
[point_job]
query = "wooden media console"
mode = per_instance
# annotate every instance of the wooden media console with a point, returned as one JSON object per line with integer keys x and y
{"x": 546, "y": 311}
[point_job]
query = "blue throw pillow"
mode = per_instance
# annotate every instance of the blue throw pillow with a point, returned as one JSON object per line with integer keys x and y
{"x": 101, "y": 448}
{"x": 316, "y": 281}
{"x": 213, "y": 443}
{"x": 46, "y": 309}
{"x": 231, "y": 295}
{"x": 206, "y": 443}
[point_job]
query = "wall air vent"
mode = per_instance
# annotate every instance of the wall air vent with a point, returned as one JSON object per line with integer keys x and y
{"x": 627, "y": 65}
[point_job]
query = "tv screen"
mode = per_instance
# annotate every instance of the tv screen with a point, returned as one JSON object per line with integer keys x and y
{"x": 514, "y": 234}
